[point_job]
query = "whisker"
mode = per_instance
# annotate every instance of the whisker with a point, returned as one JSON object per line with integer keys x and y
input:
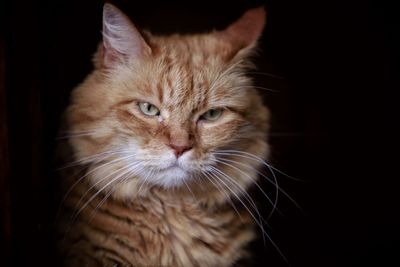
{"x": 246, "y": 156}
{"x": 146, "y": 176}
{"x": 94, "y": 157}
{"x": 221, "y": 189}
{"x": 82, "y": 178}
{"x": 273, "y": 203}
{"x": 247, "y": 197}
{"x": 258, "y": 159}
{"x": 223, "y": 74}
{"x": 257, "y": 222}
{"x": 128, "y": 175}
{"x": 285, "y": 174}
{"x": 269, "y": 166}
{"x": 188, "y": 187}
{"x": 255, "y": 87}
{"x": 198, "y": 181}
{"x": 239, "y": 186}
{"x": 74, "y": 134}
{"x": 90, "y": 172}
{"x": 123, "y": 170}
{"x": 266, "y": 74}
{"x": 105, "y": 198}
{"x": 75, "y": 216}
{"x": 101, "y": 180}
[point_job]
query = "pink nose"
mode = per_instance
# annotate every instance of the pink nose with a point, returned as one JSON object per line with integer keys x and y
{"x": 179, "y": 150}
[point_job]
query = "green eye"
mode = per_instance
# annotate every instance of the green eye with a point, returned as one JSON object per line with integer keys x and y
{"x": 149, "y": 109}
{"x": 212, "y": 114}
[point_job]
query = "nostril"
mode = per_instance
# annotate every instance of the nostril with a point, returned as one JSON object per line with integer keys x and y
{"x": 179, "y": 150}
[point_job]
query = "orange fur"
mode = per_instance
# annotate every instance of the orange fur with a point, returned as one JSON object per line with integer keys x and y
{"x": 134, "y": 207}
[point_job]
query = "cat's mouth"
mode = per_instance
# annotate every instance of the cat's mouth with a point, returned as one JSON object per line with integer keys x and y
{"x": 171, "y": 175}
{"x": 173, "y": 166}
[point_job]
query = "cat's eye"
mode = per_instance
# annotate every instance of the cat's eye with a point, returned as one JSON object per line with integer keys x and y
{"x": 148, "y": 109}
{"x": 212, "y": 114}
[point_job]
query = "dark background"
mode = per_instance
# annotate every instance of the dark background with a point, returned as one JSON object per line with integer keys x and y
{"x": 334, "y": 125}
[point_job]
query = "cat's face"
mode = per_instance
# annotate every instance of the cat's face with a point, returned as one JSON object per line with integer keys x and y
{"x": 159, "y": 111}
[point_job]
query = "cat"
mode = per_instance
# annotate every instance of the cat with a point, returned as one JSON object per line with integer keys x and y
{"x": 164, "y": 134}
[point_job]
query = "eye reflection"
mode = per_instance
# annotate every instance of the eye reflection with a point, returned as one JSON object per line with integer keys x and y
{"x": 148, "y": 109}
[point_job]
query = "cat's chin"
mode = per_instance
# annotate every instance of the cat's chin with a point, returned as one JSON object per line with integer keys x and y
{"x": 170, "y": 177}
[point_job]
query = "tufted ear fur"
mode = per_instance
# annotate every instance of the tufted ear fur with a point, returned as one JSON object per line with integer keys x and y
{"x": 121, "y": 40}
{"x": 244, "y": 33}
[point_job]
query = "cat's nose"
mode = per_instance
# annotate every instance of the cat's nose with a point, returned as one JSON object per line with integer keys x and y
{"x": 180, "y": 149}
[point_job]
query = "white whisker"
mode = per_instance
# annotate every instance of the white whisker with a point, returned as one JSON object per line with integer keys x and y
{"x": 255, "y": 87}
{"x": 75, "y": 135}
{"x": 90, "y": 172}
{"x": 79, "y": 180}
{"x": 243, "y": 191}
{"x": 250, "y": 156}
{"x": 128, "y": 175}
{"x": 188, "y": 187}
{"x": 75, "y": 216}
{"x": 273, "y": 203}
{"x": 265, "y": 74}
{"x": 144, "y": 179}
{"x": 224, "y": 73}
{"x": 94, "y": 158}
{"x": 221, "y": 189}
{"x": 123, "y": 170}
{"x": 252, "y": 215}
{"x": 240, "y": 187}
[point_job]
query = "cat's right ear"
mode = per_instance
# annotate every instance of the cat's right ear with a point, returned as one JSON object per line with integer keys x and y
{"x": 243, "y": 34}
{"x": 121, "y": 40}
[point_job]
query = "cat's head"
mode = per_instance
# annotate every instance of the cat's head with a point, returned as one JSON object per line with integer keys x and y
{"x": 166, "y": 111}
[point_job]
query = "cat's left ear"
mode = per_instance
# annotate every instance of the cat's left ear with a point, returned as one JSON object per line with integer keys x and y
{"x": 121, "y": 40}
{"x": 244, "y": 33}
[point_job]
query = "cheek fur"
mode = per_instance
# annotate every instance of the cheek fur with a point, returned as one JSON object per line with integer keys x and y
{"x": 219, "y": 135}
{"x": 142, "y": 130}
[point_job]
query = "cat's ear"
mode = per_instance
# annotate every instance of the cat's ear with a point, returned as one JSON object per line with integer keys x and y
{"x": 121, "y": 40}
{"x": 244, "y": 33}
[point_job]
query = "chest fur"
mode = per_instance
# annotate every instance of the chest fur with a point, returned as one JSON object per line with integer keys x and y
{"x": 155, "y": 232}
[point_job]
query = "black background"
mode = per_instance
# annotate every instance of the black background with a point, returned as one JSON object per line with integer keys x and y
{"x": 334, "y": 125}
